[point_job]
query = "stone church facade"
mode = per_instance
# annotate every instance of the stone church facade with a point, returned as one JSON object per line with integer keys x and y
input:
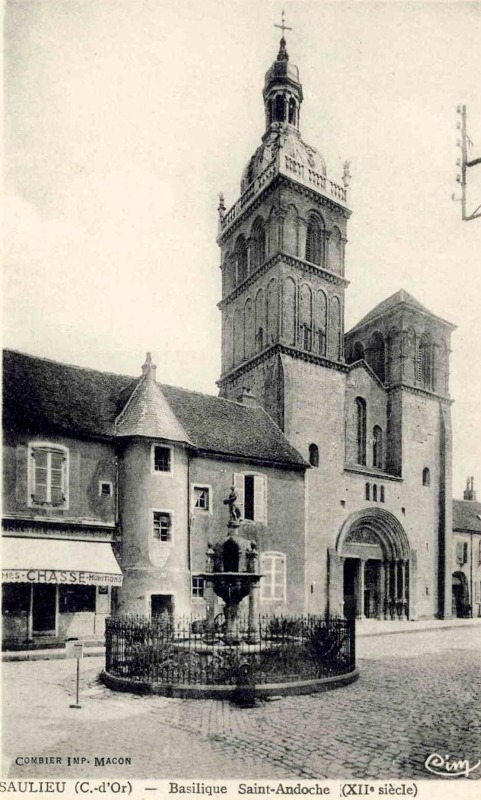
{"x": 370, "y": 408}
{"x": 338, "y": 444}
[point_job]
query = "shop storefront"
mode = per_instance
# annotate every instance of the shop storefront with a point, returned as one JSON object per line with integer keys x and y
{"x": 55, "y": 589}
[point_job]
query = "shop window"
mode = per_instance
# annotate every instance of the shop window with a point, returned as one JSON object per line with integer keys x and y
{"x": 361, "y": 430}
{"x": 251, "y": 491}
{"x": 73, "y": 599}
{"x": 426, "y": 477}
{"x": 48, "y": 475}
{"x": 162, "y": 458}
{"x": 198, "y": 586}
{"x": 202, "y": 498}
{"x": 162, "y": 526}
{"x": 313, "y": 455}
{"x": 462, "y": 553}
{"x": 273, "y": 581}
{"x": 16, "y": 598}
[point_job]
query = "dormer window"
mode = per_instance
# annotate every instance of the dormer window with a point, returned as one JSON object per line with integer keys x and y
{"x": 48, "y": 475}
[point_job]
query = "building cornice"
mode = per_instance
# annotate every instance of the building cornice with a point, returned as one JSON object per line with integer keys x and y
{"x": 277, "y": 349}
{"x": 360, "y": 469}
{"x": 292, "y": 261}
{"x": 278, "y": 179}
{"x": 421, "y": 392}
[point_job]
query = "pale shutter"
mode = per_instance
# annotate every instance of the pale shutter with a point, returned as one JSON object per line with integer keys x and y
{"x": 57, "y": 478}
{"x": 41, "y": 479}
{"x": 21, "y": 483}
{"x": 260, "y": 499}
{"x": 238, "y": 483}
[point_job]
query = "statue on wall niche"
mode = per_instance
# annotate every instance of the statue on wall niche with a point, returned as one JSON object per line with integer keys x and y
{"x": 234, "y": 510}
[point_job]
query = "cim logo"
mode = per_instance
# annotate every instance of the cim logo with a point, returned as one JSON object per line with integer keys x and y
{"x": 444, "y": 767}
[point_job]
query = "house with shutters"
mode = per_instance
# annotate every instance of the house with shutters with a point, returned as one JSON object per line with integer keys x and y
{"x": 466, "y": 554}
{"x": 114, "y": 487}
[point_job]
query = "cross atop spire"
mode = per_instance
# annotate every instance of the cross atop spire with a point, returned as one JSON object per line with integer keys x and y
{"x": 283, "y": 25}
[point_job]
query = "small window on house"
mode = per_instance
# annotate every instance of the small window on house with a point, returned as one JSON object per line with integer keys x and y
{"x": 198, "y": 586}
{"x": 162, "y": 459}
{"x": 162, "y": 526}
{"x": 73, "y": 599}
{"x": 251, "y": 491}
{"x": 273, "y": 581}
{"x": 381, "y": 495}
{"x": 313, "y": 455}
{"x": 280, "y": 108}
{"x": 374, "y": 492}
{"x": 202, "y": 497}
{"x": 48, "y": 475}
{"x": 305, "y": 337}
{"x": 368, "y": 491}
{"x": 292, "y": 111}
{"x": 462, "y": 553}
{"x": 426, "y": 477}
{"x": 105, "y": 489}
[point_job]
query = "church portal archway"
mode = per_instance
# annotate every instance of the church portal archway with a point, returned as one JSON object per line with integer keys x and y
{"x": 375, "y": 565}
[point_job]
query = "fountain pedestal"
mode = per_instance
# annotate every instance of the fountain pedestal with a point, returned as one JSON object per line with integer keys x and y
{"x": 232, "y": 575}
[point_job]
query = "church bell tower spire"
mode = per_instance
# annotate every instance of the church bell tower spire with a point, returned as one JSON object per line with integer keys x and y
{"x": 282, "y": 90}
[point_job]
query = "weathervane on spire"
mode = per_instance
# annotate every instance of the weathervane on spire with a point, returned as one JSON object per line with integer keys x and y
{"x": 283, "y": 25}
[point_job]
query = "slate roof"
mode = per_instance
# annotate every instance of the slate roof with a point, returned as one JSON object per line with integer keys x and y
{"x": 41, "y": 395}
{"x": 399, "y": 298}
{"x": 147, "y": 413}
{"x": 466, "y": 515}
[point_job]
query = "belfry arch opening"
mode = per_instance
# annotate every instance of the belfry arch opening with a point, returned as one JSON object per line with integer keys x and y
{"x": 376, "y": 566}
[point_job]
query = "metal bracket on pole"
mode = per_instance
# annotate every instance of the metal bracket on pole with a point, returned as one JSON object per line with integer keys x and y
{"x": 465, "y": 163}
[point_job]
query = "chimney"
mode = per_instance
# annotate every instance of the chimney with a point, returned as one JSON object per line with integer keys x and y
{"x": 469, "y": 493}
{"x": 247, "y": 398}
{"x": 149, "y": 368}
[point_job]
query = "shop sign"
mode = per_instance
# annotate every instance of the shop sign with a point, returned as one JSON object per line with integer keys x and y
{"x": 60, "y": 577}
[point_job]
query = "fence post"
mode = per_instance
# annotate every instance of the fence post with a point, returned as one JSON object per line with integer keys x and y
{"x": 245, "y": 692}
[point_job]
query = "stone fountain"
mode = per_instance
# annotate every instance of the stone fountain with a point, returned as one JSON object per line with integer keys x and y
{"x": 232, "y": 574}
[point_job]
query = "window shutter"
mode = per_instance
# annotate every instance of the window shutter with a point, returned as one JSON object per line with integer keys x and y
{"x": 57, "y": 478}
{"x": 238, "y": 483}
{"x": 21, "y": 482}
{"x": 40, "y": 472}
{"x": 260, "y": 499}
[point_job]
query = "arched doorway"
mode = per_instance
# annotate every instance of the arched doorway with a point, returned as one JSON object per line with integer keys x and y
{"x": 461, "y": 604}
{"x": 375, "y": 565}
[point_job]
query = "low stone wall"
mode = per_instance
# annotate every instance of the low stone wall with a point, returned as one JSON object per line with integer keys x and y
{"x": 227, "y": 692}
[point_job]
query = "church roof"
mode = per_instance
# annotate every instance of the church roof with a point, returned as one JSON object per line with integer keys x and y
{"x": 395, "y": 300}
{"x": 466, "y": 515}
{"x": 43, "y": 396}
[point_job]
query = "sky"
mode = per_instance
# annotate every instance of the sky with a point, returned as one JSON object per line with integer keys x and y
{"x": 124, "y": 120}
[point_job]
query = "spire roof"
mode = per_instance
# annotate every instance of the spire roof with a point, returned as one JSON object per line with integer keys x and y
{"x": 148, "y": 413}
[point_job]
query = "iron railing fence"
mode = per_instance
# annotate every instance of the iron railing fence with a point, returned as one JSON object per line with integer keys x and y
{"x": 187, "y": 651}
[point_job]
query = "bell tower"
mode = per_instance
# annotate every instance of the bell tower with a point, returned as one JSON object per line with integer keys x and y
{"x": 282, "y": 258}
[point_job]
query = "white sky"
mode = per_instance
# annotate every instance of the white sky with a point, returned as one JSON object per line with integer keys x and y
{"x": 125, "y": 119}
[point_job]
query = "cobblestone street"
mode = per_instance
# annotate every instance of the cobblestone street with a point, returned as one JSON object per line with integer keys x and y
{"x": 418, "y": 693}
